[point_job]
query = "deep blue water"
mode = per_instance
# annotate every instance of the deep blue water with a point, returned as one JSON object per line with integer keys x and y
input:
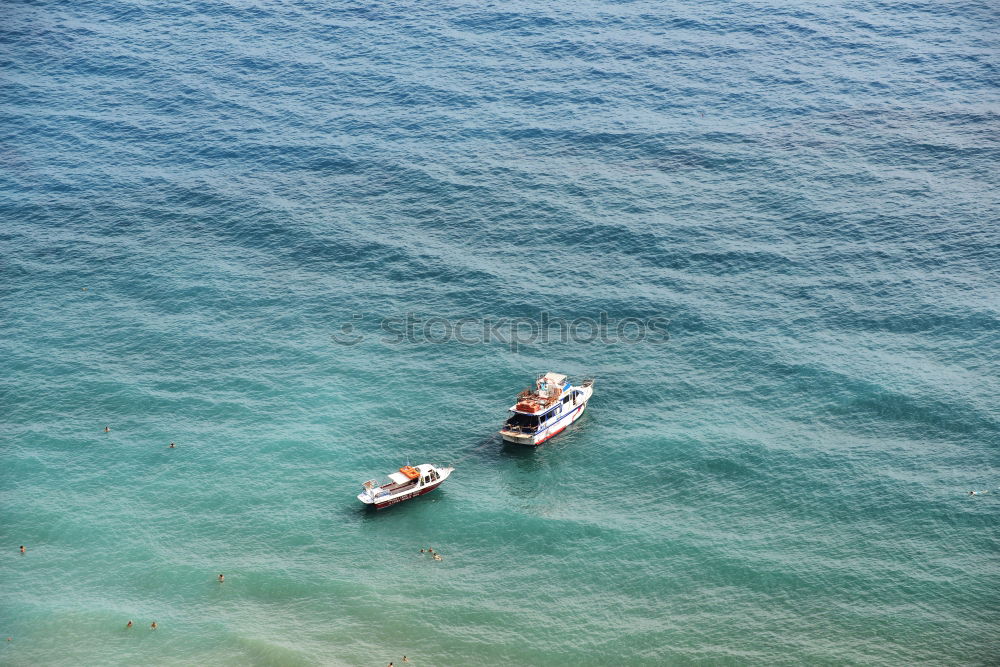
{"x": 196, "y": 198}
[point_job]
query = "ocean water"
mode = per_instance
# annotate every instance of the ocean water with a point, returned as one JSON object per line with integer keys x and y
{"x": 202, "y": 201}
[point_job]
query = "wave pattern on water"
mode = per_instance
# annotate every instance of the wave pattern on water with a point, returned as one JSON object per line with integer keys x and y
{"x": 196, "y": 197}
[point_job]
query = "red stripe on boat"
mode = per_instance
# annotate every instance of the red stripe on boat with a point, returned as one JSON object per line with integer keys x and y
{"x": 550, "y": 435}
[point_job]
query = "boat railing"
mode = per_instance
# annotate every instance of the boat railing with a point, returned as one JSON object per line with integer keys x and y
{"x": 587, "y": 383}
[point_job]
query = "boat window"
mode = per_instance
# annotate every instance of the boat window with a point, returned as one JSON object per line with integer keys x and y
{"x": 523, "y": 421}
{"x": 565, "y": 399}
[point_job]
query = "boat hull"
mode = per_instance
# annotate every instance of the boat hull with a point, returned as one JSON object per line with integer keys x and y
{"x": 395, "y": 500}
{"x": 399, "y": 489}
{"x": 537, "y": 438}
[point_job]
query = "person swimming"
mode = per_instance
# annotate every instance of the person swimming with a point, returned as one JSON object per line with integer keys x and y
{"x": 222, "y": 578}
{"x": 22, "y": 548}
{"x": 172, "y": 446}
{"x": 438, "y": 557}
{"x": 107, "y": 429}
{"x": 405, "y": 659}
{"x": 152, "y": 626}
{"x": 129, "y": 624}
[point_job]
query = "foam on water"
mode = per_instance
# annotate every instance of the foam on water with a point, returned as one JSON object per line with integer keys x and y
{"x": 807, "y": 193}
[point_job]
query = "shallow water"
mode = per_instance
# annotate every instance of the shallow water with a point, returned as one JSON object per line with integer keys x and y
{"x": 197, "y": 197}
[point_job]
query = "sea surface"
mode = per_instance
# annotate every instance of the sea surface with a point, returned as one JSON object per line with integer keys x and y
{"x": 216, "y": 214}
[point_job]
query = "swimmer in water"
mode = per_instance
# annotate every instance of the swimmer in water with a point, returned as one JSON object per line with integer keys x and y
{"x": 172, "y": 446}
{"x": 222, "y": 578}
{"x": 438, "y": 557}
{"x": 422, "y": 551}
{"x": 107, "y": 429}
{"x": 405, "y": 659}
{"x": 22, "y": 548}
{"x": 129, "y": 624}
{"x": 152, "y": 626}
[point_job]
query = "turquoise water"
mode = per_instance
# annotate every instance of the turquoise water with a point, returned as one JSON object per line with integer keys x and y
{"x": 196, "y": 199}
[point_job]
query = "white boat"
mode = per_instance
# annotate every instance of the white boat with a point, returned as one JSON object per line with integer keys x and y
{"x": 551, "y": 407}
{"x": 409, "y": 482}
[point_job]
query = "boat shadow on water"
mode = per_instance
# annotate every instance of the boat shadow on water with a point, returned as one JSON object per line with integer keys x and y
{"x": 413, "y": 510}
{"x": 369, "y": 514}
{"x": 531, "y": 459}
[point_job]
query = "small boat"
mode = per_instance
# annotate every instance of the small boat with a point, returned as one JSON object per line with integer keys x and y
{"x": 409, "y": 482}
{"x": 551, "y": 407}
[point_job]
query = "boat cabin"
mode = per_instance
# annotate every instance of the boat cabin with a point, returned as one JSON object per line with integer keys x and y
{"x": 551, "y": 397}
{"x": 407, "y": 476}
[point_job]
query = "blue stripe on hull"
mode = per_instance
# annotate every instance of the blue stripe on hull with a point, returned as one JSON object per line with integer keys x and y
{"x": 577, "y": 412}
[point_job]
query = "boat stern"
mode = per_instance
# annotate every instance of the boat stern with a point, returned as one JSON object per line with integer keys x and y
{"x": 371, "y": 490}
{"x": 518, "y": 437}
